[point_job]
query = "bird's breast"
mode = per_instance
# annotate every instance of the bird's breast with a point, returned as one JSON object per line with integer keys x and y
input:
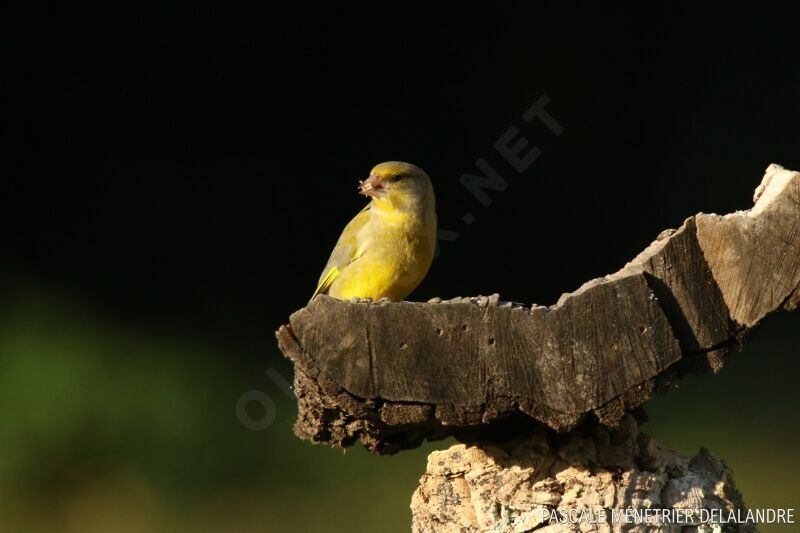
{"x": 394, "y": 252}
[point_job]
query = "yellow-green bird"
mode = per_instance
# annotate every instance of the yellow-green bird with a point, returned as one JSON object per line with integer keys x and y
{"x": 387, "y": 249}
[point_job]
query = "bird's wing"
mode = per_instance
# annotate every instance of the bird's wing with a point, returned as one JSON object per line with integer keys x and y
{"x": 346, "y": 251}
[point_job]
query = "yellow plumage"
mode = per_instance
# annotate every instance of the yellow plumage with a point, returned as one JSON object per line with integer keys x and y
{"x": 387, "y": 249}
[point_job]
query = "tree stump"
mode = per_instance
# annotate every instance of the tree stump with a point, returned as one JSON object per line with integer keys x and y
{"x": 594, "y": 479}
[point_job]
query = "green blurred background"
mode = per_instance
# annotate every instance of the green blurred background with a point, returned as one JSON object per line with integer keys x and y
{"x": 114, "y": 428}
{"x": 173, "y": 179}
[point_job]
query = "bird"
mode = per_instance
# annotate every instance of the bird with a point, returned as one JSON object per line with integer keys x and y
{"x": 387, "y": 248}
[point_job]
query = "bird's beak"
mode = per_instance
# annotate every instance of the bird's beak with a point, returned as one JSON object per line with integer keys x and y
{"x": 372, "y": 186}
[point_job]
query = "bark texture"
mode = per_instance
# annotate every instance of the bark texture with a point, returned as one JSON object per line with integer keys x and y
{"x": 393, "y": 374}
{"x": 535, "y": 481}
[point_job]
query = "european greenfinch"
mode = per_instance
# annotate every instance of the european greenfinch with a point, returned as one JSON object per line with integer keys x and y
{"x": 386, "y": 250}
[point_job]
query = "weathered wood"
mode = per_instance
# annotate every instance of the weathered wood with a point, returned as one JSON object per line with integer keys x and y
{"x": 525, "y": 485}
{"x": 684, "y": 284}
{"x": 395, "y": 373}
{"x": 754, "y": 254}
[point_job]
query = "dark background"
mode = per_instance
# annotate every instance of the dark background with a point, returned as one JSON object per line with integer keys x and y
{"x": 182, "y": 174}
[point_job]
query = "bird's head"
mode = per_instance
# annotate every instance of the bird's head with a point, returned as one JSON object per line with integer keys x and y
{"x": 401, "y": 185}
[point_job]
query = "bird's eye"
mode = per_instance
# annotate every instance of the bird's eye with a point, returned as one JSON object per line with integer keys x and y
{"x": 398, "y": 177}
